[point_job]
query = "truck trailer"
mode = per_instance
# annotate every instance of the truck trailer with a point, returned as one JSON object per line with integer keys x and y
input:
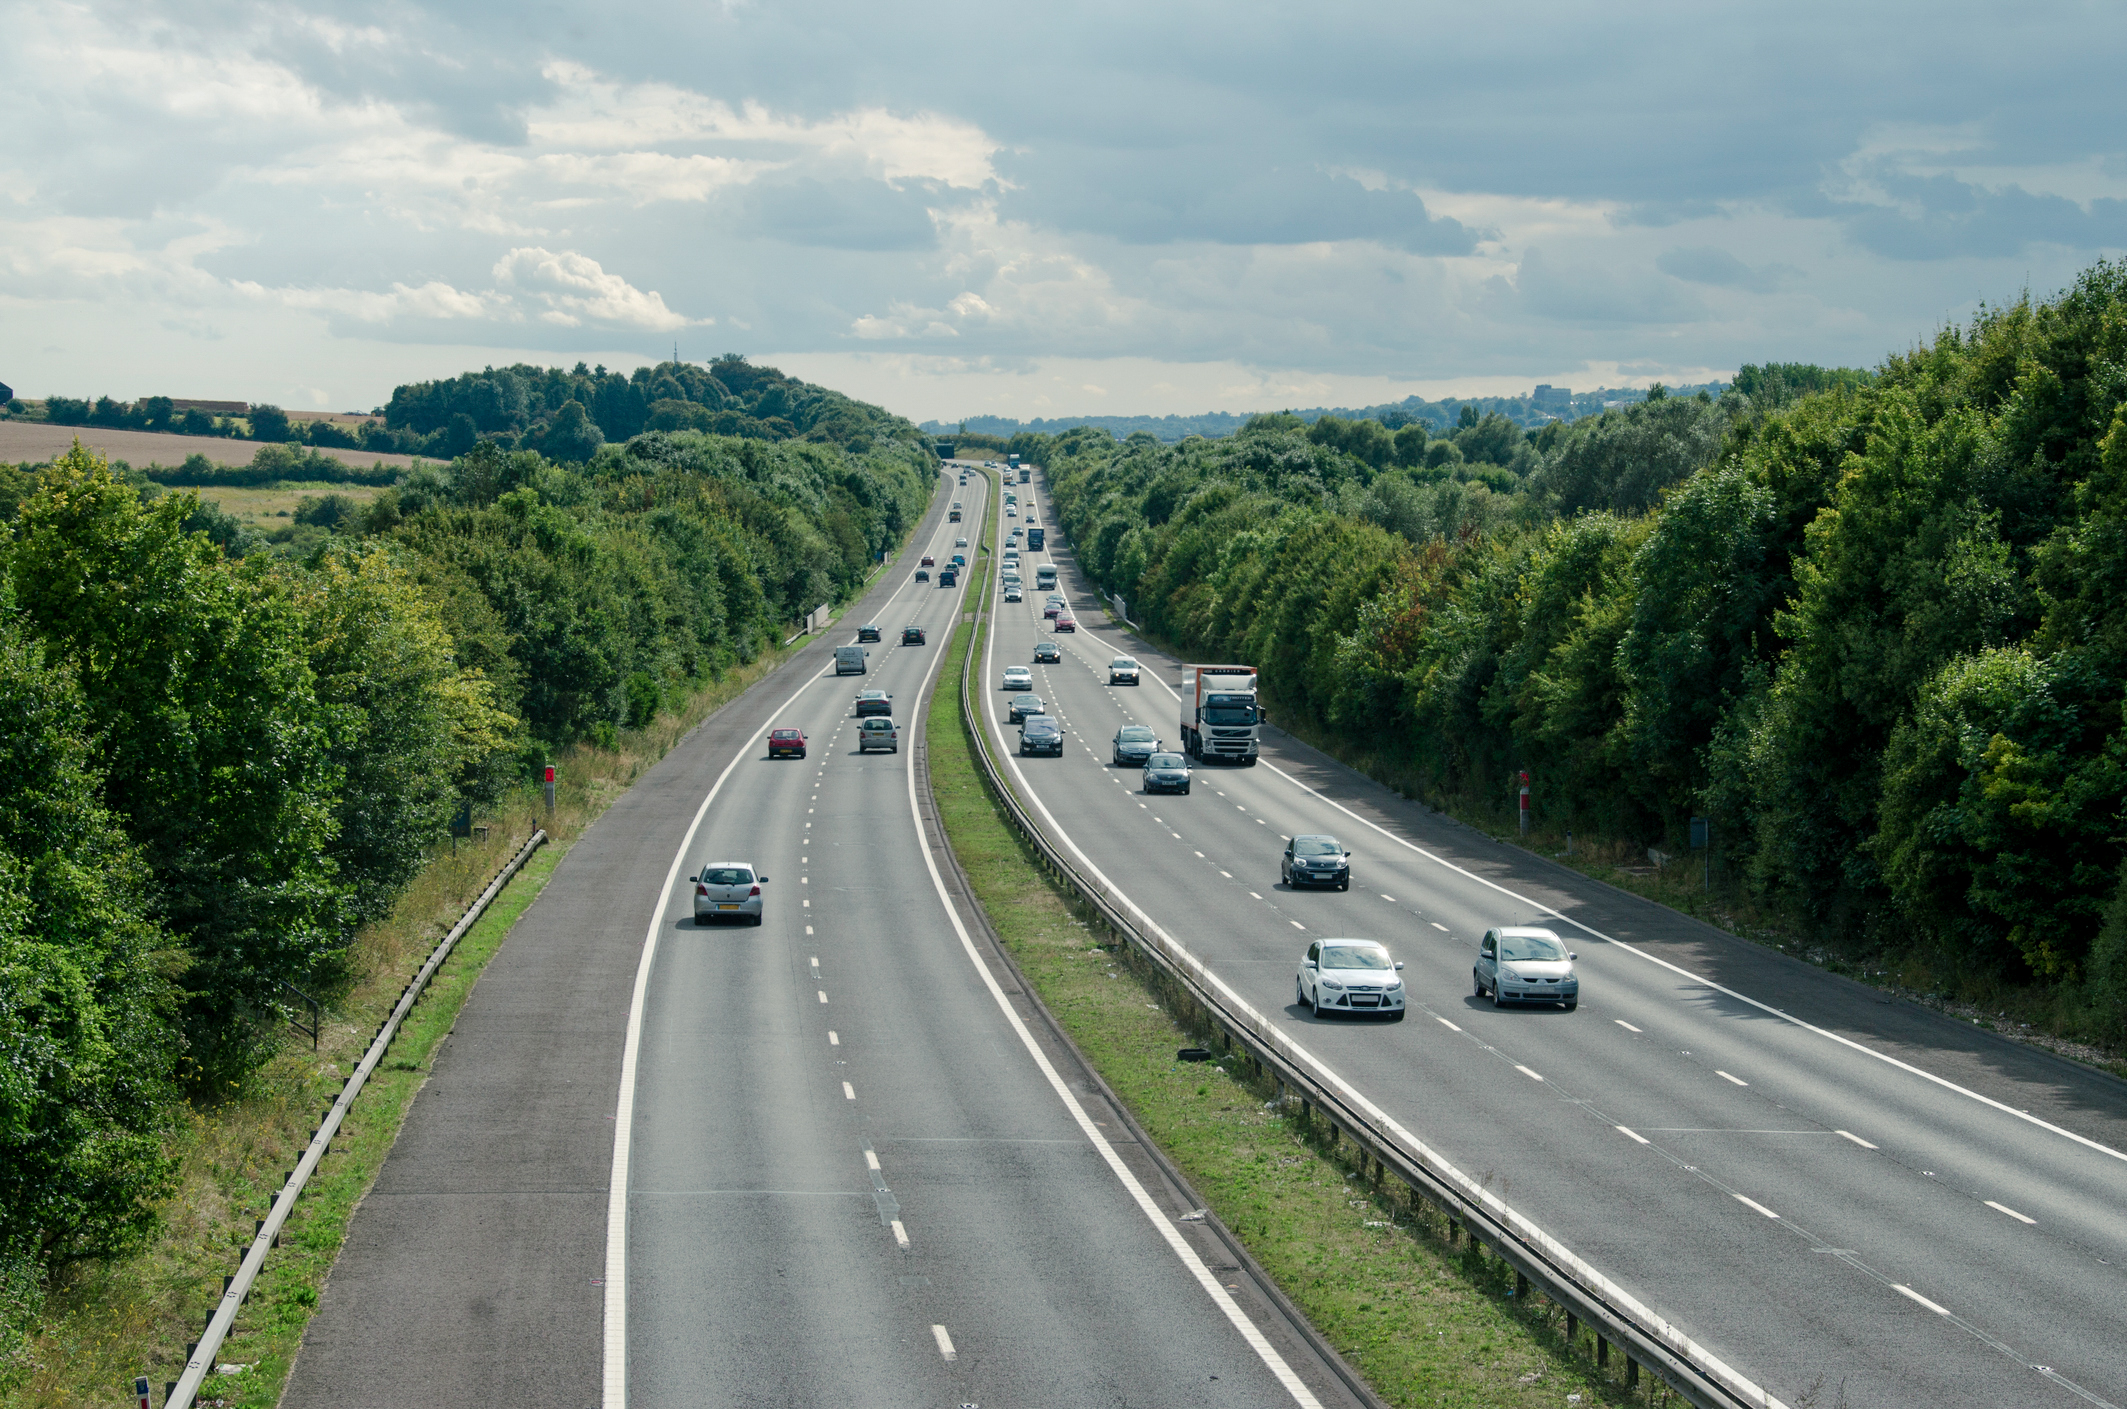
{"x": 1219, "y": 712}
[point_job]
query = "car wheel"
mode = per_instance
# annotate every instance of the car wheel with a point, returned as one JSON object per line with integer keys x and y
{"x": 1317, "y": 1004}
{"x": 1185, "y": 790}
{"x": 1476, "y": 984}
{"x": 757, "y": 920}
{"x": 1497, "y": 1001}
{"x": 1299, "y": 991}
{"x": 1344, "y": 884}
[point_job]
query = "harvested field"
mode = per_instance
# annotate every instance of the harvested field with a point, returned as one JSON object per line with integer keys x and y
{"x": 35, "y": 442}
{"x": 273, "y": 505}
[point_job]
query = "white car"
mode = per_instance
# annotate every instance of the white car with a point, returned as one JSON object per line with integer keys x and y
{"x": 1012, "y": 592}
{"x": 1017, "y": 677}
{"x": 728, "y": 890}
{"x": 1350, "y": 976}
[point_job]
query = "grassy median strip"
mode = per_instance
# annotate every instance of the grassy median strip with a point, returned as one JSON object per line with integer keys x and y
{"x": 1426, "y": 1322}
{"x": 105, "y": 1323}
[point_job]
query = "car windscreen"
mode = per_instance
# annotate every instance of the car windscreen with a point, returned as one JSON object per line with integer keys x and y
{"x": 727, "y": 876}
{"x": 1355, "y": 956}
{"x": 1042, "y": 724}
{"x": 1227, "y": 714}
{"x": 1530, "y": 947}
{"x": 1122, "y": 663}
{"x": 1137, "y": 734}
{"x": 1164, "y": 760}
{"x": 1316, "y": 846}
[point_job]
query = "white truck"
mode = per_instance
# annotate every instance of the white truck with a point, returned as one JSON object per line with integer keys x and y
{"x": 1219, "y": 712}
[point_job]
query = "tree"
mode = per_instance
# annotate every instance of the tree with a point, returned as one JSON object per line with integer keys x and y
{"x": 269, "y": 423}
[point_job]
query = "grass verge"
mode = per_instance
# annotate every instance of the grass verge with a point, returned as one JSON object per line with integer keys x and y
{"x": 1425, "y": 1320}
{"x": 105, "y": 1323}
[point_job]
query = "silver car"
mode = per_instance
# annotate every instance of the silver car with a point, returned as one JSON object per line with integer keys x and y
{"x": 1122, "y": 671}
{"x": 728, "y": 890}
{"x": 1526, "y": 965}
{"x": 877, "y": 733}
{"x": 1134, "y": 743}
{"x": 1350, "y": 976}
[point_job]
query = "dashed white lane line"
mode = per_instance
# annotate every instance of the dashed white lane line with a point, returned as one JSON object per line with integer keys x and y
{"x": 834, "y": 1039}
{"x": 1905, "y": 1291}
{"x": 1855, "y": 1138}
{"x": 849, "y": 1092}
{"x": 1634, "y": 1134}
{"x": 1261, "y": 823}
{"x": 1438, "y": 926}
{"x": 1227, "y": 874}
{"x": 1178, "y": 836}
{"x": 2004, "y": 1208}
{"x": 1296, "y": 924}
{"x": 1749, "y": 1202}
{"x": 1253, "y": 896}
{"x": 806, "y": 903}
{"x": 1625, "y": 1025}
{"x": 1201, "y": 857}
{"x": 1533, "y": 1076}
{"x": 823, "y": 995}
{"x": 808, "y": 929}
{"x": 871, "y": 1161}
{"x": 945, "y": 1343}
{"x": 900, "y": 1235}
{"x": 1445, "y": 1023}
{"x": 1390, "y": 899}
{"x": 1726, "y": 1077}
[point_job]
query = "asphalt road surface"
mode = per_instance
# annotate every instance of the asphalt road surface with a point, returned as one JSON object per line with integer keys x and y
{"x": 857, "y": 1167}
{"x": 1814, "y": 1184}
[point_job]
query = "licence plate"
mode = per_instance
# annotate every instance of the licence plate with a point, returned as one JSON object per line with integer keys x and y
{"x": 727, "y": 907}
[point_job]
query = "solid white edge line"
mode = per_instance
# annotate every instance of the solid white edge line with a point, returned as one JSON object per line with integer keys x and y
{"x": 1903, "y": 1290}
{"x": 614, "y": 1387}
{"x": 1648, "y": 1320}
{"x": 1681, "y": 972}
{"x": 1213, "y": 1288}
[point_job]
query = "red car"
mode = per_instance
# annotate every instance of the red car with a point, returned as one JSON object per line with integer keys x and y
{"x": 1065, "y": 623}
{"x": 929, "y": 561}
{"x": 786, "y": 743}
{"x": 1052, "y": 611}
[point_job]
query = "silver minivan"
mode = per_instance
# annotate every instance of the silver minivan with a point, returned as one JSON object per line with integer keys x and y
{"x": 1525, "y": 965}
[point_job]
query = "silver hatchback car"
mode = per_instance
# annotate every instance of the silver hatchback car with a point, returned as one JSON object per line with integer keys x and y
{"x": 1526, "y": 965}
{"x": 728, "y": 890}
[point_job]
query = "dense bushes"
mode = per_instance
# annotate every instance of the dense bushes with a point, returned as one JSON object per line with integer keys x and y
{"x": 1874, "y": 625}
{"x": 223, "y": 757}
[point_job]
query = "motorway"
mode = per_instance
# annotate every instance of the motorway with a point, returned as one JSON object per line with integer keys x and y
{"x": 835, "y": 1159}
{"x": 1814, "y": 1186}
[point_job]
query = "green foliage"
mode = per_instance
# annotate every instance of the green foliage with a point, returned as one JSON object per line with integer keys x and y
{"x": 1874, "y": 624}
{"x": 269, "y": 423}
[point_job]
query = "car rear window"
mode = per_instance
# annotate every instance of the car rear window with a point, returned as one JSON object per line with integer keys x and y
{"x": 727, "y": 876}
{"x": 786, "y": 733}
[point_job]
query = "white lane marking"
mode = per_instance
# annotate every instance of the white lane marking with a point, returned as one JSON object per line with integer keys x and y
{"x": 1253, "y": 896}
{"x": 1445, "y": 1023}
{"x": 1855, "y": 1138}
{"x": 945, "y": 1343}
{"x": 1906, "y": 1291}
{"x": 806, "y": 903}
{"x": 1627, "y": 1130}
{"x": 1227, "y": 874}
{"x": 1188, "y": 1256}
{"x": 1726, "y": 1077}
{"x": 849, "y": 1092}
{"x": 1178, "y": 836}
{"x": 834, "y": 1039}
{"x": 1625, "y": 1025}
{"x": 1438, "y": 926}
{"x": 823, "y": 995}
{"x": 871, "y": 1161}
{"x": 1261, "y": 823}
{"x": 804, "y": 880}
{"x": 814, "y": 961}
{"x": 1753, "y": 1203}
{"x": 1201, "y": 857}
{"x": 613, "y": 1391}
{"x": 1683, "y": 972}
{"x": 808, "y": 929}
{"x": 900, "y": 1235}
{"x": 1533, "y": 1076}
{"x": 1296, "y": 924}
{"x": 1390, "y": 899}
{"x": 2004, "y": 1208}
{"x": 1283, "y": 837}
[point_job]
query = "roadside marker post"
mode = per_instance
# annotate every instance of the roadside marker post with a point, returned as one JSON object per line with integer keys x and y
{"x": 550, "y": 791}
{"x": 1524, "y": 804}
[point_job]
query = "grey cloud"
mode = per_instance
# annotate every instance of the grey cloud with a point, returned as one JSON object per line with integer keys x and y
{"x": 1722, "y": 270}
{"x": 1599, "y": 294}
{"x": 1941, "y": 217}
{"x": 854, "y": 213}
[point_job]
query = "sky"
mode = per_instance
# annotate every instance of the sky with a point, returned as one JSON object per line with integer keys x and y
{"x": 955, "y": 209}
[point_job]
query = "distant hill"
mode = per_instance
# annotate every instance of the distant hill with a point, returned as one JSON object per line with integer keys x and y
{"x": 1544, "y": 404}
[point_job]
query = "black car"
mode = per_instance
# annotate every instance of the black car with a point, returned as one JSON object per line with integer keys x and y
{"x": 923, "y": 575}
{"x": 911, "y": 635}
{"x": 1026, "y": 705}
{"x": 1047, "y": 653}
{"x": 1041, "y": 734}
{"x": 1166, "y": 773}
{"x": 874, "y": 702}
{"x": 868, "y": 632}
{"x": 1316, "y": 860}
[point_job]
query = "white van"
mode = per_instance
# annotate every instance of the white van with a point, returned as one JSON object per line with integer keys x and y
{"x": 849, "y": 660}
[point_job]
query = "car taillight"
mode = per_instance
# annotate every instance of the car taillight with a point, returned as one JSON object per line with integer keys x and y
{"x": 701, "y": 890}
{"x": 755, "y": 891}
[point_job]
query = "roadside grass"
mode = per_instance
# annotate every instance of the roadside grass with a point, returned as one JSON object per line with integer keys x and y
{"x": 105, "y": 1323}
{"x": 1426, "y": 1320}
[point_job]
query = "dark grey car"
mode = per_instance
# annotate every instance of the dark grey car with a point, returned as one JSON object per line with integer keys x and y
{"x": 1166, "y": 773}
{"x": 1041, "y": 734}
{"x": 1134, "y": 743}
{"x": 1316, "y": 860}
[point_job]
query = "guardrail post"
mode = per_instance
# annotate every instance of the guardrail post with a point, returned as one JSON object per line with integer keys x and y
{"x": 1602, "y": 1353}
{"x": 1632, "y": 1373}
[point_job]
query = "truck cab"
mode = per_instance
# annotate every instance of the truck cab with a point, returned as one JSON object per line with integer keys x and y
{"x": 1220, "y": 713}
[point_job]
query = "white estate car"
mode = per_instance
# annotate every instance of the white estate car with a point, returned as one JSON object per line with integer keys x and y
{"x": 1350, "y": 976}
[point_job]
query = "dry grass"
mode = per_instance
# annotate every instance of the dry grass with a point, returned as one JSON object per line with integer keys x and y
{"x": 273, "y": 506}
